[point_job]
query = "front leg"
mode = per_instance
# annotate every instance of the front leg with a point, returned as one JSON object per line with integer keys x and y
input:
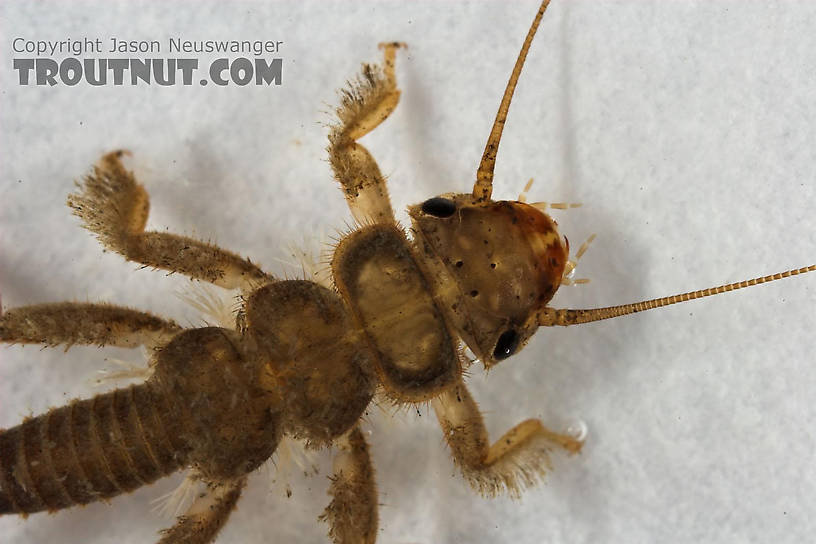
{"x": 352, "y": 514}
{"x": 114, "y": 206}
{"x": 518, "y": 460}
{"x": 369, "y": 101}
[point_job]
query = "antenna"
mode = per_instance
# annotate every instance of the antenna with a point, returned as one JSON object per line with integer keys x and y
{"x": 549, "y": 317}
{"x": 483, "y": 188}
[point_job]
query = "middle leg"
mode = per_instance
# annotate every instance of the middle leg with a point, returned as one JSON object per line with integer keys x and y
{"x": 352, "y": 514}
{"x": 114, "y": 206}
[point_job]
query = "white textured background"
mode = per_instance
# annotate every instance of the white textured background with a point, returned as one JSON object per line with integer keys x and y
{"x": 687, "y": 129}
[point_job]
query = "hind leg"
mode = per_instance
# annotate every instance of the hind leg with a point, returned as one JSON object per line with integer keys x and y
{"x": 369, "y": 102}
{"x": 72, "y": 323}
{"x": 352, "y": 514}
{"x": 114, "y": 206}
{"x": 207, "y": 515}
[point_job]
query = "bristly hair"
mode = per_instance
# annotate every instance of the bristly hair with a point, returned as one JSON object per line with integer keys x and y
{"x": 514, "y": 472}
{"x": 174, "y": 503}
{"x": 111, "y": 203}
{"x": 360, "y": 97}
{"x": 213, "y": 307}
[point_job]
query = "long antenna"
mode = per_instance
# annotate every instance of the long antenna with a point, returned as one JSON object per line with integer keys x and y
{"x": 549, "y": 317}
{"x": 483, "y": 188}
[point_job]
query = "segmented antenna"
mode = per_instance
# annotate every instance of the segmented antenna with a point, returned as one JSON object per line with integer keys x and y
{"x": 549, "y": 317}
{"x": 483, "y": 188}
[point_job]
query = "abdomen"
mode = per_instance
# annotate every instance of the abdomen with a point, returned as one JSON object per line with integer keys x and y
{"x": 87, "y": 451}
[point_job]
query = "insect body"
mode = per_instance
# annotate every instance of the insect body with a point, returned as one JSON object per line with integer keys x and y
{"x": 388, "y": 289}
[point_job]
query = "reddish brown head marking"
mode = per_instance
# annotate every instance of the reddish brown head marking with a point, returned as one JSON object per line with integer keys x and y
{"x": 542, "y": 235}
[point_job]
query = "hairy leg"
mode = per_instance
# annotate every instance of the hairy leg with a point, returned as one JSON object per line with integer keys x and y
{"x": 207, "y": 515}
{"x": 352, "y": 514}
{"x": 72, "y": 323}
{"x": 114, "y": 206}
{"x": 516, "y": 461}
{"x": 367, "y": 103}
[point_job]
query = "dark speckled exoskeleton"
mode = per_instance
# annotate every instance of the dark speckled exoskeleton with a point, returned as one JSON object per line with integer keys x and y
{"x": 303, "y": 359}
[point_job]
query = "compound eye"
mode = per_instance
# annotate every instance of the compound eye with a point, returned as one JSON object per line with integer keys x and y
{"x": 507, "y": 345}
{"x": 439, "y": 207}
